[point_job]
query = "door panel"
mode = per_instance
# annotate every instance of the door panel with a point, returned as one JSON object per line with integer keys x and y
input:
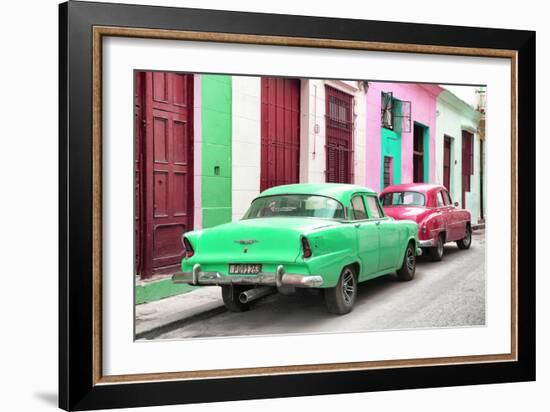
{"x": 390, "y": 255}
{"x": 167, "y": 178}
{"x": 388, "y": 235}
{"x": 280, "y": 130}
{"x": 339, "y": 128}
{"x": 368, "y": 239}
{"x": 451, "y": 217}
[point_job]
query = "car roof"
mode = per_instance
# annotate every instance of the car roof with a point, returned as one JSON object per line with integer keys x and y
{"x": 339, "y": 191}
{"x": 413, "y": 187}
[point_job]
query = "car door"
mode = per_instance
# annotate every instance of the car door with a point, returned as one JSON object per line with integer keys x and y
{"x": 449, "y": 214}
{"x": 445, "y": 213}
{"x": 388, "y": 232}
{"x": 367, "y": 238}
{"x": 455, "y": 217}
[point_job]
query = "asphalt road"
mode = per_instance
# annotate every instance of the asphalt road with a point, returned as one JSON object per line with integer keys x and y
{"x": 449, "y": 293}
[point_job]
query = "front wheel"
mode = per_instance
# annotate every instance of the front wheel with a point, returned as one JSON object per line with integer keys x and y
{"x": 340, "y": 299}
{"x": 409, "y": 264}
{"x": 230, "y": 295}
{"x": 466, "y": 241}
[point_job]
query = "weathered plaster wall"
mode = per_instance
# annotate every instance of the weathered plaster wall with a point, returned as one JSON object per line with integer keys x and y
{"x": 246, "y": 146}
{"x": 423, "y": 102}
{"x": 453, "y": 116}
{"x": 197, "y": 151}
{"x": 216, "y": 149}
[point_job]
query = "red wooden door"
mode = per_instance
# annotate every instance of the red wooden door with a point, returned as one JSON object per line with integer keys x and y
{"x": 467, "y": 163}
{"x": 447, "y": 163}
{"x": 167, "y": 177}
{"x": 339, "y": 128}
{"x": 280, "y": 129}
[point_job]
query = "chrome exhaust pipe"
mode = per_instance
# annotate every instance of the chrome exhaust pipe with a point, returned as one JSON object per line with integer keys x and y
{"x": 252, "y": 294}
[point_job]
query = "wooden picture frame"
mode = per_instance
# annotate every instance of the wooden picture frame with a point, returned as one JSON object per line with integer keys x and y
{"x": 82, "y": 27}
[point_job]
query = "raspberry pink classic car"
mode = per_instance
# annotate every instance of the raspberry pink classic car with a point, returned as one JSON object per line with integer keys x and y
{"x": 430, "y": 206}
{"x": 326, "y": 236}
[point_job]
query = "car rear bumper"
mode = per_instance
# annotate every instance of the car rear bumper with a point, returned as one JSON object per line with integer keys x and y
{"x": 278, "y": 278}
{"x": 426, "y": 243}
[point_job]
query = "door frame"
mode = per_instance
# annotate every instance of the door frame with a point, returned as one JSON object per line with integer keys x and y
{"x": 143, "y": 242}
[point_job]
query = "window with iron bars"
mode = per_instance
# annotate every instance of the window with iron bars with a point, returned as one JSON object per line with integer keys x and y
{"x": 395, "y": 114}
{"x": 388, "y": 171}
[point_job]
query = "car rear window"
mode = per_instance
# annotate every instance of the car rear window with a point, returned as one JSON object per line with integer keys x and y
{"x": 404, "y": 198}
{"x": 295, "y": 206}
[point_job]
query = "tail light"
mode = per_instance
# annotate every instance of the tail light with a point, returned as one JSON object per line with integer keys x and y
{"x": 306, "y": 248}
{"x": 187, "y": 248}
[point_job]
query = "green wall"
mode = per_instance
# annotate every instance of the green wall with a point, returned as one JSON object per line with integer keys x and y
{"x": 216, "y": 149}
{"x": 391, "y": 146}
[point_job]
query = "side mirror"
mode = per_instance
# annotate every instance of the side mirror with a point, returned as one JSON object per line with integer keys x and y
{"x": 456, "y": 204}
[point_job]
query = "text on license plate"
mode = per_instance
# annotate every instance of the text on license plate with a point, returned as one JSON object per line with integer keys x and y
{"x": 244, "y": 269}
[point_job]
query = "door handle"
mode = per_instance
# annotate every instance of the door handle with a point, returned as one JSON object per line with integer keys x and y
{"x": 357, "y": 225}
{"x": 378, "y": 223}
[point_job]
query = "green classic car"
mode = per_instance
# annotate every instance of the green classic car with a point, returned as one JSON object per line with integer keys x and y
{"x": 327, "y": 236}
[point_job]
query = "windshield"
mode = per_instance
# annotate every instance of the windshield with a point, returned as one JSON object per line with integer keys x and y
{"x": 295, "y": 206}
{"x": 402, "y": 199}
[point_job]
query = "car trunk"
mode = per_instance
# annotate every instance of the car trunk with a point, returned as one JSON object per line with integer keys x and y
{"x": 263, "y": 240}
{"x": 415, "y": 213}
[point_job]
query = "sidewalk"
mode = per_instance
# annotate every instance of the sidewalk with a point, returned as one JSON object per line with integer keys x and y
{"x": 177, "y": 309}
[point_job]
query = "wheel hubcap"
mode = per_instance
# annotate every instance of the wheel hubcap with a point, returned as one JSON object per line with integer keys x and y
{"x": 468, "y": 237}
{"x": 440, "y": 246}
{"x": 348, "y": 287}
{"x": 411, "y": 260}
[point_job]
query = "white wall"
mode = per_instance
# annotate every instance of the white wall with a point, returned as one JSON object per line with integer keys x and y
{"x": 313, "y": 139}
{"x": 246, "y": 144}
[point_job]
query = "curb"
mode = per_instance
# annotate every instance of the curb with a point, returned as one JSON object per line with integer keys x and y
{"x": 154, "y": 318}
{"x": 162, "y": 288}
{"x": 167, "y": 327}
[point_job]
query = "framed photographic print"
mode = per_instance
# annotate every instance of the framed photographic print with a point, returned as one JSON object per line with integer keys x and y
{"x": 257, "y": 205}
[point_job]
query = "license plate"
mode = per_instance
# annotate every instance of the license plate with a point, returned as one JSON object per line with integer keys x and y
{"x": 248, "y": 269}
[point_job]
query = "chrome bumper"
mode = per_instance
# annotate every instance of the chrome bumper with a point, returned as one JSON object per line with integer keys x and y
{"x": 426, "y": 243}
{"x": 279, "y": 278}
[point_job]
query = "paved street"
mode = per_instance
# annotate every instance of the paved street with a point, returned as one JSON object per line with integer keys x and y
{"x": 449, "y": 293}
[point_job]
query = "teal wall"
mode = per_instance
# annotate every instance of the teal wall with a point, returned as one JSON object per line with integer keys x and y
{"x": 216, "y": 100}
{"x": 391, "y": 146}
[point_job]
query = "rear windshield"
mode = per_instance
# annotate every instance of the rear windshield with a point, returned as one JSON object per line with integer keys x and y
{"x": 295, "y": 206}
{"x": 402, "y": 199}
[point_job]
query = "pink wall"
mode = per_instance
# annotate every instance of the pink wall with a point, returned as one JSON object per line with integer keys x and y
{"x": 423, "y": 108}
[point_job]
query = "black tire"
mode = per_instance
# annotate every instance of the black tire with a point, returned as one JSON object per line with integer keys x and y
{"x": 436, "y": 253}
{"x": 408, "y": 268}
{"x": 465, "y": 242}
{"x": 230, "y": 295}
{"x": 340, "y": 299}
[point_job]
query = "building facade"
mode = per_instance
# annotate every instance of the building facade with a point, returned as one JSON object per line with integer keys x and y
{"x": 401, "y": 130}
{"x": 458, "y": 148}
{"x": 207, "y": 145}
